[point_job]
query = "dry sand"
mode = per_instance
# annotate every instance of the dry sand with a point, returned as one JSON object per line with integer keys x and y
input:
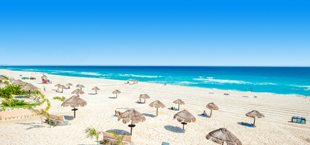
{"x": 275, "y": 128}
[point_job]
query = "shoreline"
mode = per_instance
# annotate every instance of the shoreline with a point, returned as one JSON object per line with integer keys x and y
{"x": 99, "y": 113}
{"x": 212, "y": 89}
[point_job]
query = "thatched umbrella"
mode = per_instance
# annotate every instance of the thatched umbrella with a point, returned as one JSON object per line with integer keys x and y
{"x": 184, "y": 117}
{"x": 157, "y": 104}
{"x": 95, "y": 88}
{"x": 212, "y": 106}
{"x": 81, "y": 86}
{"x": 74, "y": 102}
{"x": 77, "y": 92}
{"x": 137, "y": 81}
{"x": 132, "y": 116}
{"x": 58, "y": 86}
{"x": 29, "y": 87}
{"x": 62, "y": 87}
{"x": 44, "y": 77}
{"x": 133, "y": 81}
{"x": 223, "y": 135}
{"x": 144, "y": 96}
{"x": 254, "y": 114}
{"x": 69, "y": 84}
{"x": 116, "y": 92}
{"x": 18, "y": 82}
{"x": 180, "y": 102}
{"x": 128, "y": 81}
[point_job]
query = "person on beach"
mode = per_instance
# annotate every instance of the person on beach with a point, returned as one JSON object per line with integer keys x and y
{"x": 306, "y": 95}
{"x": 204, "y": 113}
{"x": 44, "y": 88}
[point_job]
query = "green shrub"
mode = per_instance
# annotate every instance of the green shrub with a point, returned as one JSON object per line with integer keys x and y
{"x": 6, "y": 82}
{"x": 13, "y": 102}
{"x": 4, "y": 93}
{"x": 13, "y": 89}
{"x": 58, "y": 98}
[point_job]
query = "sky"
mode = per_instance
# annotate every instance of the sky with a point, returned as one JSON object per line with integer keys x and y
{"x": 173, "y": 33}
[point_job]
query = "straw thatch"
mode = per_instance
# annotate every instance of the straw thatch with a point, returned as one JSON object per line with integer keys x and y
{"x": 2, "y": 78}
{"x": 157, "y": 104}
{"x": 96, "y": 89}
{"x": 116, "y": 92}
{"x": 223, "y": 135}
{"x": 62, "y": 87}
{"x": 74, "y": 102}
{"x": 78, "y": 92}
{"x": 254, "y": 114}
{"x": 212, "y": 106}
{"x": 69, "y": 84}
{"x": 81, "y": 86}
{"x": 184, "y": 116}
{"x": 58, "y": 86}
{"x": 18, "y": 82}
{"x": 144, "y": 96}
{"x": 179, "y": 102}
{"x": 44, "y": 77}
{"x": 132, "y": 116}
{"x": 29, "y": 87}
{"x": 128, "y": 80}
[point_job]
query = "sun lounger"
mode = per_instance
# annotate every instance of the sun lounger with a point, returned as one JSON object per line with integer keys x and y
{"x": 110, "y": 136}
{"x": 164, "y": 143}
{"x": 59, "y": 120}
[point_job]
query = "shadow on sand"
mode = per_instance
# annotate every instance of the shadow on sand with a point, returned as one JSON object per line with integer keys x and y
{"x": 149, "y": 115}
{"x": 92, "y": 94}
{"x": 68, "y": 117}
{"x": 204, "y": 116}
{"x": 20, "y": 97}
{"x": 112, "y": 97}
{"x": 33, "y": 125}
{"x": 246, "y": 124}
{"x": 172, "y": 109}
{"x": 175, "y": 129}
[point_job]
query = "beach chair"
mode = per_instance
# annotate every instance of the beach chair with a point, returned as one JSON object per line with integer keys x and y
{"x": 59, "y": 120}
{"x": 110, "y": 136}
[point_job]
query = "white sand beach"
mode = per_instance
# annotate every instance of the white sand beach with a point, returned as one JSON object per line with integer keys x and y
{"x": 275, "y": 128}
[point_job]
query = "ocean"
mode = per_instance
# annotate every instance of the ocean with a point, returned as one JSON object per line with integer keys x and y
{"x": 276, "y": 80}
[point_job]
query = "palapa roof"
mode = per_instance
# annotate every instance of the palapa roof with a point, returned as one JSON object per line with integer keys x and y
{"x": 74, "y": 102}
{"x": 157, "y": 104}
{"x": 44, "y": 77}
{"x": 77, "y": 91}
{"x": 62, "y": 86}
{"x": 116, "y": 91}
{"x": 95, "y": 88}
{"x": 179, "y": 101}
{"x": 212, "y": 106}
{"x": 29, "y": 87}
{"x": 128, "y": 80}
{"x": 144, "y": 96}
{"x": 131, "y": 116}
{"x": 18, "y": 82}
{"x": 2, "y": 78}
{"x": 254, "y": 114}
{"x": 81, "y": 86}
{"x": 184, "y": 116}
{"x": 69, "y": 84}
{"x": 223, "y": 135}
{"x": 58, "y": 85}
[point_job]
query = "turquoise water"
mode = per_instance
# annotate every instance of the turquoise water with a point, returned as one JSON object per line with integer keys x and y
{"x": 278, "y": 80}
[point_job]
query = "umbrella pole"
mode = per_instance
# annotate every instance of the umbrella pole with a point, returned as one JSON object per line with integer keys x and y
{"x": 157, "y": 112}
{"x": 131, "y": 129}
{"x": 254, "y": 121}
{"x": 144, "y": 101}
{"x": 179, "y": 109}
{"x": 74, "y": 112}
{"x": 183, "y": 126}
{"x": 211, "y": 113}
{"x": 62, "y": 90}
{"x": 116, "y": 95}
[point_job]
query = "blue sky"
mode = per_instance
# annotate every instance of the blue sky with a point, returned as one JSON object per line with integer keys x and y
{"x": 202, "y": 33}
